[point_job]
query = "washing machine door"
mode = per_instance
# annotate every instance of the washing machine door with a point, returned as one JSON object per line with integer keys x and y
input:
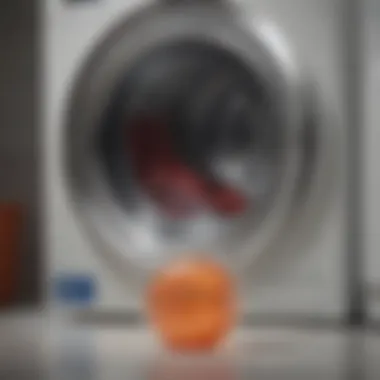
{"x": 186, "y": 132}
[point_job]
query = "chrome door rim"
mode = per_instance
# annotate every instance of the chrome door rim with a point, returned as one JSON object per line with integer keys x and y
{"x": 101, "y": 217}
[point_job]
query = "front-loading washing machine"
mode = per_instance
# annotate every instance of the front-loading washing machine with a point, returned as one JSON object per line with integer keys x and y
{"x": 213, "y": 126}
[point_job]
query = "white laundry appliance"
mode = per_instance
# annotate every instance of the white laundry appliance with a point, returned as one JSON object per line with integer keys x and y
{"x": 251, "y": 96}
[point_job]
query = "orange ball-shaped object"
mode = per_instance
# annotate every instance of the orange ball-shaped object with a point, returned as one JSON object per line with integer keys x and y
{"x": 192, "y": 304}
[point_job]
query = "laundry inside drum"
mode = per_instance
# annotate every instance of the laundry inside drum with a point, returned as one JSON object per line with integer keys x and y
{"x": 190, "y": 142}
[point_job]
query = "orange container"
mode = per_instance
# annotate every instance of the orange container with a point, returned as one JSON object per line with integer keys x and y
{"x": 10, "y": 238}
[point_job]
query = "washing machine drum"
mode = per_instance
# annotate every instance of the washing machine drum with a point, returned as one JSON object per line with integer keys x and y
{"x": 184, "y": 134}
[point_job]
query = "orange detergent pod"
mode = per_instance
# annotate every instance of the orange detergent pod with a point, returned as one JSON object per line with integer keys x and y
{"x": 192, "y": 304}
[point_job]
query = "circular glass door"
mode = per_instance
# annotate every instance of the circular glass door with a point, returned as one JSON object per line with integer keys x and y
{"x": 184, "y": 134}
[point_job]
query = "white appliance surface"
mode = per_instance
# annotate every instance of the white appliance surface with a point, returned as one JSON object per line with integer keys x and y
{"x": 308, "y": 280}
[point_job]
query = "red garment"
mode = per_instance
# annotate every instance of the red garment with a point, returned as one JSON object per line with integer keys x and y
{"x": 178, "y": 190}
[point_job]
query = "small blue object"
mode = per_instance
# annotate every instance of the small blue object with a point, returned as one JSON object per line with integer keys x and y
{"x": 75, "y": 289}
